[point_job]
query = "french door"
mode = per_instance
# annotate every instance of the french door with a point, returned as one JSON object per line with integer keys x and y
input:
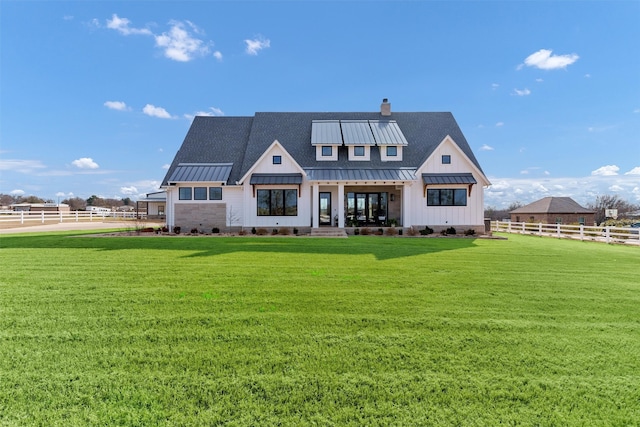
{"x": 325, "y": 208}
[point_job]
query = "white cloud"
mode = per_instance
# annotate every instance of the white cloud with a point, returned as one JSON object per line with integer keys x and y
{"x": 256, "y": 45}
{"x": 499, "y": 124}
{"x": 153, "y": 111}
{"x": 524, "y": 172}
{"x": 22, "y": 166}
{"x": 486, "y": 147}
{"x": 129, "y": 191}
{"x": 17, "y": 192}
{"x": 608, "y": 170}
{"x": 116, "y": 105}
{"x": 85, "y": 163}
{"x": 218, "y": 55}
{"x": 615, "y": 188}
{"x": 634, "y": 171}
{"x": 587, "y": 76}
{"x": 544, "y": 60}
{"x": 523, "y": 92}
{"x": 166, "y": 166}
{"x": 495, "y": 86}
{"x": 179, "y": 44}
{"x": 121, "y": 25}
{"x": 539, "y": 80}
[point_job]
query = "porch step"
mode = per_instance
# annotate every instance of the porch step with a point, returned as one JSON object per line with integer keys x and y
{"x": 328, "y": 232}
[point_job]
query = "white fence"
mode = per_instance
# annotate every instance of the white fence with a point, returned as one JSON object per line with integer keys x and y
{"x": 23, "y": 217}
{"x": 580, "y": 232}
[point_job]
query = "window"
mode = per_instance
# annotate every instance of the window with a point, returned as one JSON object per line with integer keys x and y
{"x": 215, "y": 193}
{"x": 447, "y": 197}
{"x": 446, "y": 159}
{"x": 392, "y": 151}
{"x": 277, "y": 160}
{"x": 200, "y": 193}
{"x": 327, "y": 151}
{"x": 277, "y": 202}
{"x": 559, "y": 220}
{"x": 358, "y": 150}
{"x": 185, "y": 193}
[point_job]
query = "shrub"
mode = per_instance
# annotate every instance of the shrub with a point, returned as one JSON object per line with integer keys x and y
{"x": 242, "y": 232}
{"x": 391, "y": 231}
{"x": 365, "y": 231}
{"x": 215, "y": 230}
{"x": 295, "y": 231}
{"x": 427, "y": 230}
{"x": 194, "y": 231}
{"x": 165, "y": 229}
{"x": 274, "y": 231}
{"x": 470, "y": 232}
{"x": 253, "y": 230}
{"x": 176, "y": 229}
{"x": 285, "y": 231}
{"x": 261, "y": 231}
{"x": 450, "y": 230}
{"x": 412, "y": 231}
{"x": 356, "y": 231}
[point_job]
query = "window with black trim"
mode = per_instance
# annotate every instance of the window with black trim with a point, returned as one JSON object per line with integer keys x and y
{"x": 358, "y": 150}
{"x": 184, "y": 193}
{"x": 447, "y": 197}
{"x": 392, "y": 151}
{"x": 215, "y": 193}
{"x": 446, "y": 159}
{"x": 327, "y": 151}
{"x": 277, "y": 160}
{"x": 277, "y": 202}
{"x": 200, "y": 193}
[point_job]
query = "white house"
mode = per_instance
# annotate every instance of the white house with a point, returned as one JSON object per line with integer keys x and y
{"x": 311, "y": 170}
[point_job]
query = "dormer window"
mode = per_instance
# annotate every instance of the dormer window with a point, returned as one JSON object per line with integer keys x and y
{"x": 358, "y": 150}
{"x": 392, "y": 151}
{"x": 327, "y": 151}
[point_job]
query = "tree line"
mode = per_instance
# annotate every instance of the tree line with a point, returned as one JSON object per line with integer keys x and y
{"x": 75, "y": 203}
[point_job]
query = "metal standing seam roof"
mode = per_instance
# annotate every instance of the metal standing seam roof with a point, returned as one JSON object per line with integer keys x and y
{"x": 448, "y": 178}
{"x": 276, "y": 178}
{"x": 387, "y": 132}
{"x": 333, "y": 174}
{"x": 357, "y": 132}
{"x": 326, "y": 132}
{"x": 201, "y": 172}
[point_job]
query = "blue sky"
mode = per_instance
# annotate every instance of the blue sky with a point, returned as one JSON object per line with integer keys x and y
{"x": 96, "y": 97}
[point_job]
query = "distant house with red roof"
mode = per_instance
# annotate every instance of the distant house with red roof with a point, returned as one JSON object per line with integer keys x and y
{"x": 554, "y": 210}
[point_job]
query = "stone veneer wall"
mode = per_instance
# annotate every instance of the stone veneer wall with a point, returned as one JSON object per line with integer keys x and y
{"x": 203, "y": 216}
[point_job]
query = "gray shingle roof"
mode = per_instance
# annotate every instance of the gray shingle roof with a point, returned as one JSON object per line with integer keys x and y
{"x": 242, "y": 140}
{"x": 556, "y": 205}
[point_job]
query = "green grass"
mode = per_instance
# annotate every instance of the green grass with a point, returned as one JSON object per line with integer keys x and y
{"x": 297, "y": 331}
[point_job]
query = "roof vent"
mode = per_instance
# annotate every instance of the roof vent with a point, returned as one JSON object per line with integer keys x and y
{"x": 385, "y": 108}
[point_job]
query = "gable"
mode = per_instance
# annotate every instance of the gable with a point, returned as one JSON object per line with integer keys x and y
{"x": 460, "y": 163}
{"x": 265, "y": 164}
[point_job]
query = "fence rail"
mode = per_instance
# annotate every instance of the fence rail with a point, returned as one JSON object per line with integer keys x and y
{"x": 606, "y": 234}
{"x": 23, "y": 217}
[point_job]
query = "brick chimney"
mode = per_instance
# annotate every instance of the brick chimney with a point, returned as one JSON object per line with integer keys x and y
{"x": 385, "y": 108}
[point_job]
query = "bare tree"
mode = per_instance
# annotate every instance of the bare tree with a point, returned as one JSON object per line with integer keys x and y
{"x": 609, "y": 201}
{"x": 232, "y": 217}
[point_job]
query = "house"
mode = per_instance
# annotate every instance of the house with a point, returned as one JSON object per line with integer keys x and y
{"x": 311, "y": 170}
{"x": 152, "y": 205}
{"x": 554, "y": 210}
{"x": 40, "y": 207}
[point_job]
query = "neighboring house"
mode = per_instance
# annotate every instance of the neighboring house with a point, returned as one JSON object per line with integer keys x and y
{"x": 40, "y": 207}
{"x": 308, "y": 170}
{"x": 554, "y": 210}
{"x": 153, "y": 205}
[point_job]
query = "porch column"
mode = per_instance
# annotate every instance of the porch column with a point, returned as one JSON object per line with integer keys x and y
{"x": 315, "y": 206}
{"x": 407, "y": 220}
{"x": 340, "y": 205}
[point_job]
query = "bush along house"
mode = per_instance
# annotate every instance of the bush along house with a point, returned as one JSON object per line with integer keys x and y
{"x": 319, "y": 170}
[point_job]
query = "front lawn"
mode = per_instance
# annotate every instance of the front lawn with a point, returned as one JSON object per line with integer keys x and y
{"x": 301, "y": 331}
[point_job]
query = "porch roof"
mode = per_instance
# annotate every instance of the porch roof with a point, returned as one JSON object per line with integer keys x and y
{"x": 276, "y": 178}
{"x": 339, "y": 174}
{"x": 201, "y": 172}
{"x": 448, "y": 178}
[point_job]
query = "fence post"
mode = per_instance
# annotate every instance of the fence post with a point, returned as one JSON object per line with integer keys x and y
{"x": 76, "y": 216}
{"x": 607, "y": 236}
{"x": 558, "y": 229}
{"x": 540, "y": 229}
{"x": 523, "y": 227}
{"x": 42, "y": 216}
{"x": 581, "y": 231}
{"x": 21, "y": 217}
{"x": 90, "y": 216}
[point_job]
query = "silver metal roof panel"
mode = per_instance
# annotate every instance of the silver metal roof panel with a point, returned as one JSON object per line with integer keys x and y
{"x": 334, "y": 174}
{"x": 276, "y": 178}
{"x": 201, "y": 172}
{"x": 448, "y": 178}
{"x": 326, "y": 132}
{"x": 357, "y": 132}
{"x": 387, "y": 132}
